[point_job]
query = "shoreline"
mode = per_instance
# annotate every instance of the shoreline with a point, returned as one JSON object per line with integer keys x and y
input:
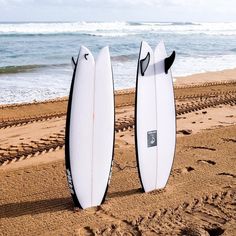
{"x": 190, "y": 80}
{"x": 206, "y": 77}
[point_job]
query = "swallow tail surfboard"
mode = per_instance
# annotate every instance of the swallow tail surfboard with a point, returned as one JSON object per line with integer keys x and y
{"x": 155, "y": 131}
{"x": 90, "y": 128}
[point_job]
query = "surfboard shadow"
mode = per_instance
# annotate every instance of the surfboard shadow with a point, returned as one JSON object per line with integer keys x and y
{"x": 12, "y": 210}
{"x": 159, "y": 69}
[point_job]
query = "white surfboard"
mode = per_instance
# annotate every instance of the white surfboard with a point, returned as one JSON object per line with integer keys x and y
{"x": 155, "y": 131}
{"x": 90, "y": 128}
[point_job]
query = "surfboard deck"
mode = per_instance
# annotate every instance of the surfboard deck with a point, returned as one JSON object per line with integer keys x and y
{"x": 90, "y": 128}
{"x": 155, "y": 119}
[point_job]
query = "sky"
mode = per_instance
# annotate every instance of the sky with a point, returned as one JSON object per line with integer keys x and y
{"x": 118, "y": 10}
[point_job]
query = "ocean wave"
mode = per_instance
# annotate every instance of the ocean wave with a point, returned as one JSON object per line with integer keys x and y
{"x": 110, "y": 34}
{"x": 125, "y": 34}
{"x": 124, "y": 58}
{"x": 135, "y": 23}
{"x": 169, "y": 23}
{"x": 27, "y": 68}
{"x": 94, "y": 34}
{"x": 114, "y": 29}
{"x": 184, "y": 23}
{"x": 194, "y": 65}
{"x": 58, "y": 28}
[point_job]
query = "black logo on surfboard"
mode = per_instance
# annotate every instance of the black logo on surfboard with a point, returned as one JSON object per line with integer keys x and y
{"x": 152, "y": 138}
{"x": 86, "y": 56}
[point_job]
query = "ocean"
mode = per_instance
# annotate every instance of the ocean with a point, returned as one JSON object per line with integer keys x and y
{"x": 35, "y": 58}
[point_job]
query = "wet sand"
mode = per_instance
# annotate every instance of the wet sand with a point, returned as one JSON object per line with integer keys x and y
{"x": 199, "y": 198}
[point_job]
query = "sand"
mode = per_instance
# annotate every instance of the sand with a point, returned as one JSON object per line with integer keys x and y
{"x": 224, "y": 75}
{"x": 200, "y": 196}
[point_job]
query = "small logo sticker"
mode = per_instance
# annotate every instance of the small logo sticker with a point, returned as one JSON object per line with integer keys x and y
{"x": 86, "y": 56}
{"x": 152, "y": 138}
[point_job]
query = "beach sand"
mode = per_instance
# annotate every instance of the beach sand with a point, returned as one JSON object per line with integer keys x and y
{"x": 200, "y": 196}
{"x": 217, "y": 76}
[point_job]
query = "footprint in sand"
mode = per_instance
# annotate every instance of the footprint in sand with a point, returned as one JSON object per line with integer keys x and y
{"x": 184, "y": 170}
{"x": 229, "y": 140}
{"x": 13, "y": 146}
{"x": 184, "y": 131}
{"x": 227, "y": 174}
{"x": 202, "y": 231}
{"x": 210, "y": 162}
{"x": 227, "y": 187}
{"x": 85, "y": 231}
{"x": 187, "y": 169}
{"x": 203, "y": 148}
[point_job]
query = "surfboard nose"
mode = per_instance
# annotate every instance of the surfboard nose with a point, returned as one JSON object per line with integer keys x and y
{"x": 85, "y": 54}
{"x": 105, "y": 52}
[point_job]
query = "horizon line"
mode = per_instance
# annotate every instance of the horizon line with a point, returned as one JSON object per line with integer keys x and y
{"x": 112, "y": 21}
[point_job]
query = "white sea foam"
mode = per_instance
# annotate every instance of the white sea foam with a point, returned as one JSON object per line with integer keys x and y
{"x": 119, "y": 28}
{"x": 54, "y": 28}
{"x": 190, "y": 65}
{"x": 27, "y": 87}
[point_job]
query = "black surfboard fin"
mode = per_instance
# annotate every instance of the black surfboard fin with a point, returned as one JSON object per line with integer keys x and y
{"x": 169, "y": 62}
{"x": 144, "y": 63}
{"x": 73, "y": 63}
